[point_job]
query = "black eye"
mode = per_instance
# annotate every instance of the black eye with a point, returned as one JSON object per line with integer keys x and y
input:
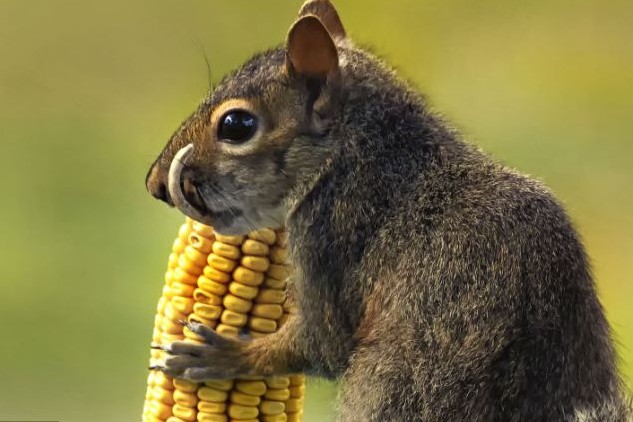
{"x": 237, "y": 126}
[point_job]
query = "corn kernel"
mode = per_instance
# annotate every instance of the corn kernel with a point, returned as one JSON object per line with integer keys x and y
{"x": 271, "y": 407}
{"x": 215, "y": 275}
{"x": 226, "y": 251}
{"x": 267, "y": 310}
{"x": 281, "y": 394}
{"x": 255, "y": 263}
{"x": 254, "y": 388}
{"x": 211, "y": 407}
{"x": 211, "y": 286}
{"x": 221, "y": 264}
{"x": 271, "y": 296}
{"x": 244, "y": 399}
{"x": 237, "y": 304}
{"x": 211, "y": 394}
{"x": 267, "y": 236}
{"x": 255, "y": 247}
{"x": 237, "y": 411}
{"x": 243, "y": 291}
{"x": 185, "y": 413}
{"x": 247, "y": 276}
{"x": 231, "y": 240}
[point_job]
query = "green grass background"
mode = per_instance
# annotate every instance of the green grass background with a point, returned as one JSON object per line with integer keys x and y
{"x": 90, "y": 91}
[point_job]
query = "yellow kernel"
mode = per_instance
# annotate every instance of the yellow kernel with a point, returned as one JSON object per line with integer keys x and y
{"x": 170, "y": 419}
{"x": 162, "y": 395}
{"x": 183, "y": 231}
{"x": 182, "y": 304}
{"x": 211, "y": 407}
{"x": 273, "y": 283}
{"x": 167, "y": 292}
{"x": 297, "y": 391}
{"x": 244, "y": 399}
{"x": 160, "y": 410}
{"x": 278, "y": 255}
{"x": 163, "y": 381}
{"x": 207, "y": 311}
{"x": 224, "y": 385}
{"x": 243, "y": 291}
{"x": 186, "y": 386}
{"x": 211, "y": 394}
{"x": 237, "y": 304}
{"x": 170, "y": 327}
{"x": 277, "y": 382}
{"x": 173, "y": 261}
{"x": 226, "y": 251}
{"x": 207, "y": 298}
{"x": 190, "y": 335}
{"x": 195, "y": 317}
{"x": 281, "y": 394}
{"x": 267, "y": 310}
{"x": 231, "y": 240}
{"x": 234, "y": 318}
{"x": 294, "y": 405}
{"x": 254, "y": 388}
{"x": 173, "y": 314}
{"x": 202, "y": 229}
{"x": 211, "y": 286}
{"x": 185, "y": 413}
{"x": 279, "y": 417}
{"x": 270, "y": 296}
{"x": 297, "y": 379}
{"x": 255, "y": 263}
{"x": 256, "y": 334}
{"x": 170, "y": 338}
{"x": 282, "y": 319}
{"x": 201, "y": 243}
{"x": 215, "y": 275}
{"x": 270, "y": 407}
{"x": 247, "y": 276}
{"x": 279, "y": 272}
{"x": 195, "y": 256}
{"x": 185, "y": 399}
{"x": 237, "y": 411}
{"x": 267, "y": 236}
{"x": 255, "y": 247}
{"x": 227, "y": 330}
{"x": 295, "y": 417}
{"x": 189, "y": 266}
{"x": 212, "y": 417}
{"x": 220, "y": 263}
{"x": 178, "y": 246}
{"x": 263, "y": 325}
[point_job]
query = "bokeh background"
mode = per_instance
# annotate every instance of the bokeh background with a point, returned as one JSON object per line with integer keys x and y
{"x": 91, "y": 90}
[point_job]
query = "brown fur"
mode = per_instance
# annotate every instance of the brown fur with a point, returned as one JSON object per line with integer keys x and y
{"x": 435, "y": 283}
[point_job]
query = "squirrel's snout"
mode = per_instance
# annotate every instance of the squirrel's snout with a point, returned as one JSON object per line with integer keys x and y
{"x": 156, "y": 184}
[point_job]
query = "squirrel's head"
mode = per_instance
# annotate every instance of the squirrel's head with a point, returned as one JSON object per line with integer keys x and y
{"x": 260, "y": 133}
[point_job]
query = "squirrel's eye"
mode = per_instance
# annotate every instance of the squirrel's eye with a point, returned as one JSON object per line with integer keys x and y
{"x": 237, "y": 126}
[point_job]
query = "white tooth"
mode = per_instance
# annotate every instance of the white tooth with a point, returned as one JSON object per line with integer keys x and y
{"x": 173, "y": 183}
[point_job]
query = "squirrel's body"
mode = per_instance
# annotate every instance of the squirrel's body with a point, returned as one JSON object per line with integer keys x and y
{"x": 435, "y": 283}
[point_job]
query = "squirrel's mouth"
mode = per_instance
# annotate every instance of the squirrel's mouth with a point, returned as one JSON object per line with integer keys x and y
{"x": 187, "y": 197}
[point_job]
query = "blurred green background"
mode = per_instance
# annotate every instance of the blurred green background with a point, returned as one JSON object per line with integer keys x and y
{"x": 90, "y": 91}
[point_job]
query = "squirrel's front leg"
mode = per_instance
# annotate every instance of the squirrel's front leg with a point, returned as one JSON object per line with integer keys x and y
{"x": 222, "y": 357}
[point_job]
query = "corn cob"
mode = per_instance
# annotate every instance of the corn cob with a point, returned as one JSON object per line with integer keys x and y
{"x": 229, "y": 283}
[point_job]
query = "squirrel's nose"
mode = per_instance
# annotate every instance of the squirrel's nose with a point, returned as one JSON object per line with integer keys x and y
{"x": 156, "y": 184}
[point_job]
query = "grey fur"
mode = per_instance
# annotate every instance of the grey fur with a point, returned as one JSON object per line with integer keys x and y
{"x": 435, "y": 283}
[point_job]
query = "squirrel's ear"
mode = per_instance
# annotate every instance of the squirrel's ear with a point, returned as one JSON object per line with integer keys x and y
{"x": 325, "y": 11}
{"x": 311, "y": 50}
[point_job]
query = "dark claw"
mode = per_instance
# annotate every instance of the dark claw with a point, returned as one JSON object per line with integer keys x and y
{"x": 183, "y": 322}
{"x": 156, "y": 368}
{"x": 157, "y": 346}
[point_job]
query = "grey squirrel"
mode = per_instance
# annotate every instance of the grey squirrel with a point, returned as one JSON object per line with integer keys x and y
{"x": 435, "y": 283}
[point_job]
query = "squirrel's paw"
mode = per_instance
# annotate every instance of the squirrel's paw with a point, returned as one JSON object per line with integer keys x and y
{"x": 218, "y": 357}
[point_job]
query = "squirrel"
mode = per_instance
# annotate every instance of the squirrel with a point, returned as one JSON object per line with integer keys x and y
{"x": 435, "y": 283}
